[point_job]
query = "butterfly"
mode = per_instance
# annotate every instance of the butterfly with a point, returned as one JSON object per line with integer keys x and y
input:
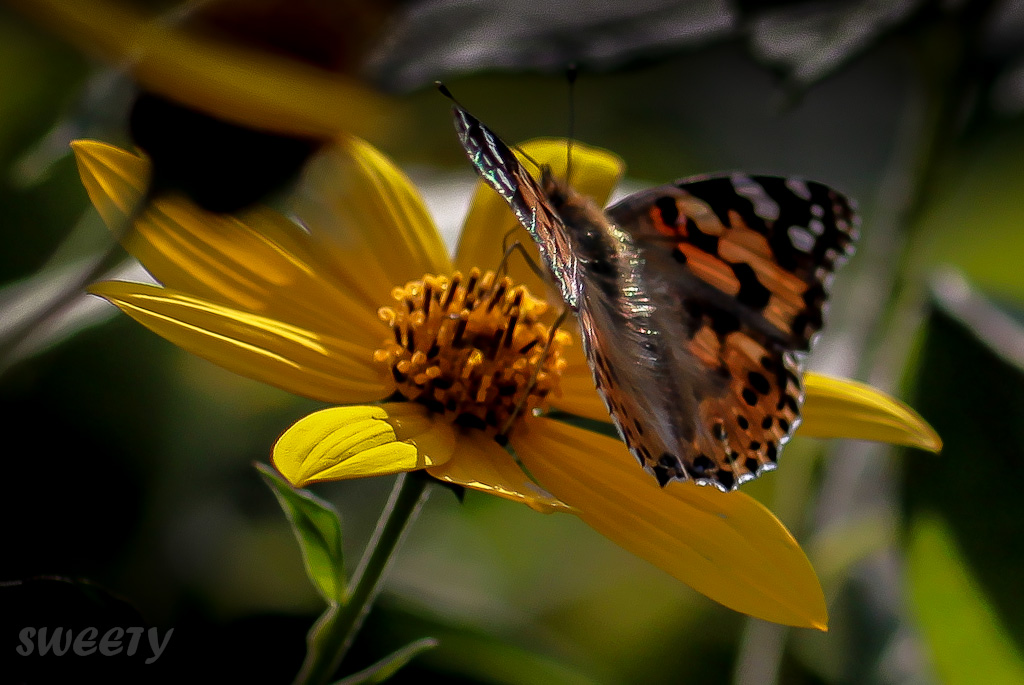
{"x": 695, "y": 301}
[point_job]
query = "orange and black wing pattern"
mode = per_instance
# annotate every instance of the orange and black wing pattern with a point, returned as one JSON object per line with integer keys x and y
{"x": 748, "y": 262}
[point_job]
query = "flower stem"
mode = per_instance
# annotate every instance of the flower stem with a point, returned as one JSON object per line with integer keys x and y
{"x": 334, "y": 632}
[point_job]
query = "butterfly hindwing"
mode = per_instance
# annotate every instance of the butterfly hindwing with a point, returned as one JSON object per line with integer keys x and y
{"x": 749, "y": 260}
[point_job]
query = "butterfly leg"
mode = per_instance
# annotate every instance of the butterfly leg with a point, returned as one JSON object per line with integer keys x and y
{"x": 533, "y": 377}
{"x": 518, "y": 247}
{"x": 505, "y": 244}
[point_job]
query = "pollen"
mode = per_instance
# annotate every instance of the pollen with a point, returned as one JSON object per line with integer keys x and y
{"x": 472, "y": 347}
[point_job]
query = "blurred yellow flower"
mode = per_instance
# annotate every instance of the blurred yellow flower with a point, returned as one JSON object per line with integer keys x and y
{"x": 359, "y": 302}
{"x": 250, "y": 87}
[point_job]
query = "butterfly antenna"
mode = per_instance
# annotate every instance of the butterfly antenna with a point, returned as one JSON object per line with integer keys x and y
{"x": 570, "y": 74}
{"x": 443, "y": 89}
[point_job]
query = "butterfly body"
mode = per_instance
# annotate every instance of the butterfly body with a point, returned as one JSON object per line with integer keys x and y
{"x": 638, "y": 332}
{"x": 694, "y": 300}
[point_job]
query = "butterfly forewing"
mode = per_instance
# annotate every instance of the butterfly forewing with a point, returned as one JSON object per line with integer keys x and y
{"x": 694, "y": 301}
{"x": 500, "y": 168}
{"x": 766, "y": 245}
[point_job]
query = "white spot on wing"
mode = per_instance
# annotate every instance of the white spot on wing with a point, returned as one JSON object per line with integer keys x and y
{"x": 503, "y": 179}
{"x": 764, "y": 206}
{"x": 817, "y": 226}
{"x": 799, "y": 188}
{"x": 492, "y": 146}
{"x": 801, "y": 238}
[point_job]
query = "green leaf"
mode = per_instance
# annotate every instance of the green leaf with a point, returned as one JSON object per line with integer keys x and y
{"x": 389, "y": 665}
{"x": 317, "y": 527}
{"x": 968, "y": 643}
{"x": 472, "y": 655}
{"x": 981, "y": 194}
{"x": 970, "y": 387}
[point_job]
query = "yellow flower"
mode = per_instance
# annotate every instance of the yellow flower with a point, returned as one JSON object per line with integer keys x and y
{"x": 245, "y": 86}
{"x": 359, "y": 302}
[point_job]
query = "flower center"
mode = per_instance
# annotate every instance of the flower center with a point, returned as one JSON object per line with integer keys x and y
{"x": 472, "y": 348}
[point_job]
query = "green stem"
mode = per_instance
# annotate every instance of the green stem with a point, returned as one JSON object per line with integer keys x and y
{"x": 334, "y": 632}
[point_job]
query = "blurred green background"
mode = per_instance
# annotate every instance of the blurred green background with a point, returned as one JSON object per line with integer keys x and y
{"x": 128, "y": 462}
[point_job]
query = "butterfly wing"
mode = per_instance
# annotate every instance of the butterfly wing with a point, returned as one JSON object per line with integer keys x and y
{"x": 651, "y": 385}
{"x": 766, "y": 245}
{"x": 693, "y": 300}
{"x": 745, "y": 264}
{"x": 594, "y": 265}
{"x": 500, "y": 169}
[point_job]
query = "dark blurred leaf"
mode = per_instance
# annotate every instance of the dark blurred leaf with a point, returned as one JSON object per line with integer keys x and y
{"x": 810, "y": 40}
{"x": 465, "y": 654}
{"x": 1007, "y": 95}
{"x": 389, "y": 665}
{"x": 73, "y": 606}
{"x": 26, "y": 300}
{"x": 970, "y": 387}
{"x": 967, "y": 642}
{"x": 999, "y": 325}
{"x": 317, "y": 527}
{"x": 443, "y": 38}
{"x": 1004, "y": 57}
{"x": 219, "y": 165}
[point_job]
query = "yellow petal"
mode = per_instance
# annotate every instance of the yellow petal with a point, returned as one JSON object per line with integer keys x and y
{"x": 580, "y": 397}
{"x": 835, "y": 408}
{"x": 259, "y": 261}
{"x": 838, "y": 408}
{"x": 114, "y": 178}
{"x": 344, "y": 442}
{"x": 241, "y": 85}
{"x": 299, "y": 361}
{"x": 482, "y": 464}
{"x": 413, "y": 423}
{"x": 595, "y": 172}
{"x": 371, "y": 215}
{"x": 724, "y": 545}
